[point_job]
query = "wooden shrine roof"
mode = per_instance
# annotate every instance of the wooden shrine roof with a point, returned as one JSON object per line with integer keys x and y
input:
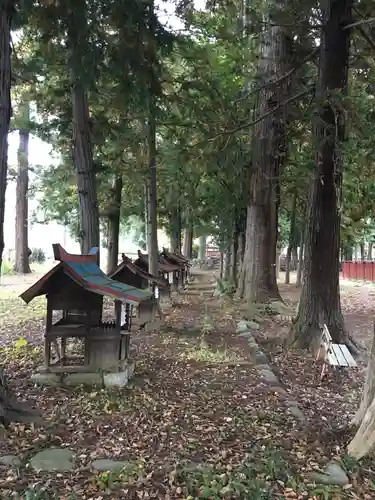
{"x": 164, "y": 265}
{"x": 84, "y": 270}
{"x": 175, "y": 257}
{"x": 127, "y": 263}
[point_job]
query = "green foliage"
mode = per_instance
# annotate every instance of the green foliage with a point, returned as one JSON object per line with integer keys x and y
{"x": 253, "y": 480}
{"x": 37, "y": 255}
{"x": 6, "y": 268}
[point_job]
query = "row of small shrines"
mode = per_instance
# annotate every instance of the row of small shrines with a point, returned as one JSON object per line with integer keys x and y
{"x": 75, "y": 289}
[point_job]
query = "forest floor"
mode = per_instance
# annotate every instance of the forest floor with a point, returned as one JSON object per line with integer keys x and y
{"x": 197, "y": 420}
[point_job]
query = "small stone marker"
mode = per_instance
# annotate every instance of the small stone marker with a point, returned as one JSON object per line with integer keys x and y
{"x": 333, "y": 475}
{"x": 53, "y": 459}
{"x": 108, "y": 465}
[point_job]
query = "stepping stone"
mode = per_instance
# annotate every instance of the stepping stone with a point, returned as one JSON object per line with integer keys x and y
{"x": 294, "y": 410}
{"x": 260, "y": 358}
{"x": 10, "y": 461}
{"x": 241, "y": 328}
{"x": 245, "y": 334}
{"x": 108, "y": 465}
{"x": 253, "y": 325}
{"x": 269, "y": 376}
{"x": 59, "y": 459}
{"x": 333, "y": 475}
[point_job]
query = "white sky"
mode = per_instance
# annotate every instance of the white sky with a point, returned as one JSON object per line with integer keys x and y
{"x": 40, "y": 153}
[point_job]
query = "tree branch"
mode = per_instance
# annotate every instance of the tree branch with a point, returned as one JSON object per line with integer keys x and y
{"x": 369, "y": 20}
{"x": 260, "y": 118}
{"x": 368, "y": 39}
{"x": 283, "y": 77}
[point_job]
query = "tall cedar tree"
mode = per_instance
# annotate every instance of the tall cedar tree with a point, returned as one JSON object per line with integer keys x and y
{"x": 21, "y": 264}
{"x": 151, "y": 57}
{"x": 6, "y": 13}
{"x": 258, "y": 274}
{"x": 82, "y": 147}
{"x": 320, "y": 297}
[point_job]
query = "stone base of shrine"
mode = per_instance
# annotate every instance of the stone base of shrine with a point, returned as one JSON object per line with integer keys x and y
{"x": 92, "y": 379}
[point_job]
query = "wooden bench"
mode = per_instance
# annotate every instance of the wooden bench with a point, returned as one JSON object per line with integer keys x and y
{"x": 334, "y": 354}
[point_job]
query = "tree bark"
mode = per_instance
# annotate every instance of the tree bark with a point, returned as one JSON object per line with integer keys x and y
{"x": 227, "y": 261}
{"x": 234, "y": 256}
{"x": 6, "y": 13}
{"x": 152, "y": 240}
{"x": 175, "y": 230}
{"x": 188, "y": 241}
{"x": 364, "y": 439}
{"x": 152, "y": 234}
{"x": 320, "y": 297}
{"x": 362, "y": 249}
{"x": 291, "y": 238}
{"x": 258, "y": 274}
{"x": 114, "y": 225}
{"x": 300, "y": 258}
{"x": 21, "y": 264}
{"x": 241, "y": 257}
{"x": 202, "y": 248}
{"x": 82, "y": 147}
{"x": 369, "y": 253}
{"x": 348, "y": 252}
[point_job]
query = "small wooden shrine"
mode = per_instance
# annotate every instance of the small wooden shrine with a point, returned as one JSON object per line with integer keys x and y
{"x": 180, "y": 260}
{"x": 167, "y": 270}
{"x": 129, "y": 273}
{"x": 75, "y": 288}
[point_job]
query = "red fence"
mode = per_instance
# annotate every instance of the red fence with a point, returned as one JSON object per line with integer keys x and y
{"x": 359, "y": 270}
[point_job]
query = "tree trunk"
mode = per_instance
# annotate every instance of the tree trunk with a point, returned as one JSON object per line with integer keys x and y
{"x": 202, "y": 248}
{"x": 362, "y": 249}
{"x": 295, "y": 254}
{"x": 152, "y": 240}
{"x": 234, "y": 257}
{"x": 300, "y": 258}
{"x": 348, "y": 252}
{"x": 114, "y": 225}
{"x": 291, "y": 239}
{"x": 364, "y": 440}
{"x": 277, "y": 265}
{"x": 82, "y": 147}
{"x": 258, "y": 274}
{"x": 6, "y": 13}
{"x": 320, "y": 297}
{"x": 227, "y": 262}
{"x": 22, "y": 215}
{"x": 175, "y": 230}
{"x": 145, "y": 213}
{"x": 221, "y": 265}
{"x": 369, "y": 253}
{"x": 241, "y": 256}
{"x": 188, "y": 241}
{"x": 152, "y": 234}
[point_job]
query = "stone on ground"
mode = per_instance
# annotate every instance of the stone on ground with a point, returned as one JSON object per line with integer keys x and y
{"x": 269, "y": 376}
{"x": 253, "y": 325}
{"x": 10, "y": 461}
{"x": 108, "y": 465}
{"x": 53, "y": 459}
{"x": 294, "y": 410}
{"x": 246, "y": 334}
{"x": 280, "y": 308}
{"x": 242, "y": 327}
{"x": 333, "y": 475}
